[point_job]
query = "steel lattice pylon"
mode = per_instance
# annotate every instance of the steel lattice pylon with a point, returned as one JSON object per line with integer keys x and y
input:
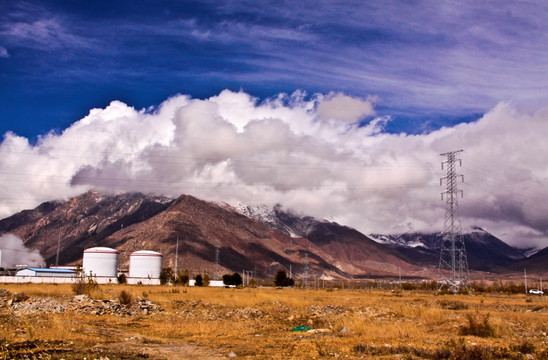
{"x": 453, "y": 267}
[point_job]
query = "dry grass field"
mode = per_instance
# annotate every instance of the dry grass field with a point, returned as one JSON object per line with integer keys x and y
{"x": 216, "y": 323}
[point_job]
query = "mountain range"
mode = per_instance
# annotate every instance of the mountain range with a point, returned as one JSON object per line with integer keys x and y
{"x": 258, "y": 238}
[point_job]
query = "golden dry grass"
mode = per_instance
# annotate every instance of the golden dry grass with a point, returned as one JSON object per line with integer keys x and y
{"x": 257, "y": 323}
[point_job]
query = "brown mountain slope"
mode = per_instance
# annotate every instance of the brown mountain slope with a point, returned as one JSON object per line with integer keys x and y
{"x": 130, "y": 222}
{"x": 82, "y": 222}
{"x": 244, "y": 244}
{"x": 536, "y": 264}
{"x": 359, "y": 251}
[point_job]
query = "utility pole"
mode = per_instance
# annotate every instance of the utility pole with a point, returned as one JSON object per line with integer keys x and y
{"x": 525, "y": 279}
{"x": 57, "y": 257}
{"x": 177, "y": 257}
{"x": 306, "y": 270}
{"x": 453, "y": 266}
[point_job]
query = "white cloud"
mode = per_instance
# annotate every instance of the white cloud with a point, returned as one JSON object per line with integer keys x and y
{"x": 234, "y": 148}
{"x": 4, "y": 52}
{"x": 345, "y": 108}
{"x": 48, "y": 33}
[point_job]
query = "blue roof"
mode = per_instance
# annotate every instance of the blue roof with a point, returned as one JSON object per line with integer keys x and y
{"x": 60, "y": 271}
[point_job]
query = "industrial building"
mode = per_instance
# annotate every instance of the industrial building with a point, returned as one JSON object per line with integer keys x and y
{"x": 46, "y": 272}
{"x": 101, "y": 263}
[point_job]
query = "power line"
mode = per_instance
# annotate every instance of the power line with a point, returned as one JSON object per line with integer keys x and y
{"x": 176, "y": 159}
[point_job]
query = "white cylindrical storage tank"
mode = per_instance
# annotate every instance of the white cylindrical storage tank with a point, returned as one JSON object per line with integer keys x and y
{"x": 101, "y": 261}
{"x": 145, "y": 264}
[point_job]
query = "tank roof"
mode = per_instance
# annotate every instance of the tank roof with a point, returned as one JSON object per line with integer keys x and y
{"x": 101, "y": 250}
{"x": 145, "y": 253}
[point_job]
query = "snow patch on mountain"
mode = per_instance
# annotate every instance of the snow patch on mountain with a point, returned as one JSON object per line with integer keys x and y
{"x": 406, "y": 240}
{"x": 266, "y": 215}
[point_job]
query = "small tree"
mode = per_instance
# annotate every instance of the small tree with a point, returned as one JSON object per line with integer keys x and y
{"x": 199, "y": 280}
{"x": 281, "y": 279}
{"x": 206, "y": 279}
{"x": 237, "y": 279}
{"x": 166, "y": 276}
{"x": 234, "y": 279}
{"x": 227, "y": 279}
{"x": 182, "y": 278}
{"x": 122, "y": 279}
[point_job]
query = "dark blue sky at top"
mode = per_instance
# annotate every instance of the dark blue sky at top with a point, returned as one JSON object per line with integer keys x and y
{"x": 430, "y": 63}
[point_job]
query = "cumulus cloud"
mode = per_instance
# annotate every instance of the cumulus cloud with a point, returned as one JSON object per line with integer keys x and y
{"x": 345, "y": 108}
{"x": 309, "y": 153}
{"x": 14, "y": 252}
{"x": 4, "y": 52}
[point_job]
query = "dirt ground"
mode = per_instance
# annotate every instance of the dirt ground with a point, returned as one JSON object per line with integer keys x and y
{"x": 49, "y": 322}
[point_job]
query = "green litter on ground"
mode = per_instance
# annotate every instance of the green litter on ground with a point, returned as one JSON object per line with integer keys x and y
{"x": 300, "y": 328}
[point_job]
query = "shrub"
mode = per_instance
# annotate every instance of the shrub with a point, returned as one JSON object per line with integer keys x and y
{"x": 20, "y": 297}
{"x": 453, "y": 305}
{"x": 408, "y": 286}
{"x": 182, "y": 278}
{"x": 478, "y": 326}
{"x": 206, "y": 280}
{"x": 122, "y": 279}
{"x": 199, "y": 280}
{"x": 166, "y": 276}
{"x": 84, "y": 285}
{"x": 525, "y": 347}
{"x": 125, "y": 297}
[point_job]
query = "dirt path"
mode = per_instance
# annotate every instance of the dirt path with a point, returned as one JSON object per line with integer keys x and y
{"x": 127, "y": 343}
{"x": 164, "y": 350}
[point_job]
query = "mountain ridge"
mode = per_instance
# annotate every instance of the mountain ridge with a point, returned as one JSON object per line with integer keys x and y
{"x": 248, "y": 237}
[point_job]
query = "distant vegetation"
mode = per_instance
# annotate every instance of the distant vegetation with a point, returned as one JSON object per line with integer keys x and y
{"x": 232, "y": 279}
{"x": 84, "y": 285}
{"x": 281, "y": 279}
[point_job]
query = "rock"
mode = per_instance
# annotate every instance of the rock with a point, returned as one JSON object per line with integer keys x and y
{"x": 20, "y": 297}
{"x": 344, "y": 330}
{"x": 231, "y": 355}
{"x": 82, "y": 304}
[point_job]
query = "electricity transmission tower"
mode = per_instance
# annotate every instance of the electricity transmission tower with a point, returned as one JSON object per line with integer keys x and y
{"x": 453, "y": 268}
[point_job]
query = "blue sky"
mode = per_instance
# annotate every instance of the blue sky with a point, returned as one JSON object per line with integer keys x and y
{"x": 336, "y": 109}
{"x": 430, "y": 63}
